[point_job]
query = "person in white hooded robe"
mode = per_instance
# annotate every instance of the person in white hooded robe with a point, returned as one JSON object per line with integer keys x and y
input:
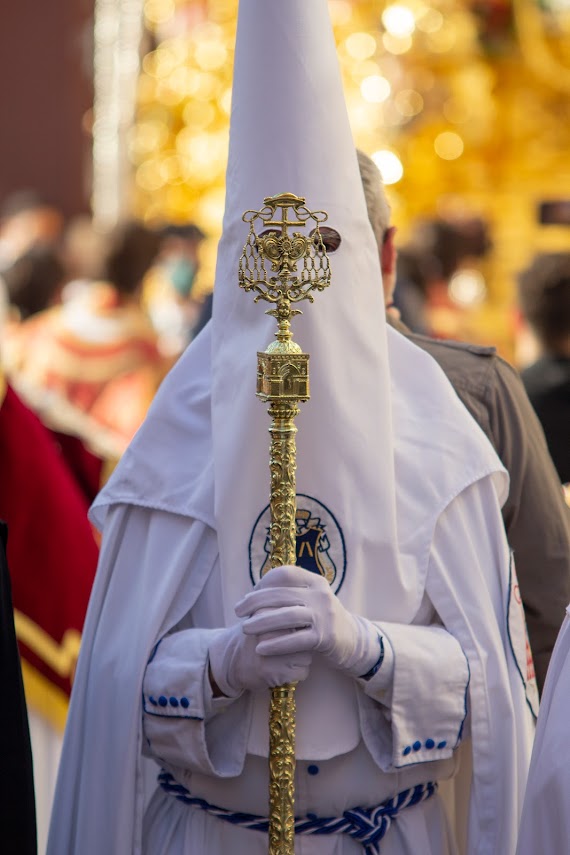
{"x": 410, "y": 657}
{"x": 545, "y": 824}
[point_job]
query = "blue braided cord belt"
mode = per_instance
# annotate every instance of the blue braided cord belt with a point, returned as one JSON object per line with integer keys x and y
{"x": 367, "y": 825}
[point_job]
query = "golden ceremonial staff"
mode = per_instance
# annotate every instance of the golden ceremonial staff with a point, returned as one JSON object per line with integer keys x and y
{"x": 298, "y": 265}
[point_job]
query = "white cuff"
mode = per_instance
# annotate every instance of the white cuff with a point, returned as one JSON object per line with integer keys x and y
{"x": 185, "y": 727}
{"x": 426, "y": 693}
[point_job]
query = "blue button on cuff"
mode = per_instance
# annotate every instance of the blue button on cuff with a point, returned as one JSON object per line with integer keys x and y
{"x": 312, "y": 769}
{"x": 417, "y": 745}
{"x": 170, "y": 707}
{"x": 163, "y": 701}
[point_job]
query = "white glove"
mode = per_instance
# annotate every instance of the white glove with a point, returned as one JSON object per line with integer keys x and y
{"x": 302, "y": 614}
{"x": 236, "y": 665}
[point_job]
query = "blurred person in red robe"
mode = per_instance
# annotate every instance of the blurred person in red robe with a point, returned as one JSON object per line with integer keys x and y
{"x": 98, "y": 351}
{"x": 52, "y": 555}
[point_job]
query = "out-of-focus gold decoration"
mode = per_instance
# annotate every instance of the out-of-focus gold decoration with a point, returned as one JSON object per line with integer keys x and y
{"x": 470, "y": 97}
{"x": 178, "y": 144}
{"x": 539, "y": 37}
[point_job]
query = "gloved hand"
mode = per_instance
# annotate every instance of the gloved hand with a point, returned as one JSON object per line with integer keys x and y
{"x": 236, "y": 665}
{"x": 300, "y": 611}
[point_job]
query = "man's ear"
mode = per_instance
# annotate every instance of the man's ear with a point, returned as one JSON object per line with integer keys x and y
{"x": 389, "y": 252}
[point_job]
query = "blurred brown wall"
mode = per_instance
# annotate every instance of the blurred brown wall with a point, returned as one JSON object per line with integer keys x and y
{"x": 45, "y": 91}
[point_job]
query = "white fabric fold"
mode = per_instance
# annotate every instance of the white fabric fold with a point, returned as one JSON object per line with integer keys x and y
{"x": 545, "y": 825}
{"x": 118, "y": 638}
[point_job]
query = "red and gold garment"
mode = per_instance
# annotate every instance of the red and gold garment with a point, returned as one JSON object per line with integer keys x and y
{"x": 52, "y": 554}
{"x": 99, "y": 353}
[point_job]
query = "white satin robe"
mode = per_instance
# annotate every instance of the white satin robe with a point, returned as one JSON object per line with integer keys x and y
{"x": 211, "y": 751}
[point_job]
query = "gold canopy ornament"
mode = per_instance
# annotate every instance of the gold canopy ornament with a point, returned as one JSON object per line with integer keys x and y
{"x": 298, "y": 265}
{"x": 284, "y": 250}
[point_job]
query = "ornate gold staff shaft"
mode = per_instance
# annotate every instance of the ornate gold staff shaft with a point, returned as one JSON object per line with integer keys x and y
{"x": 300, "y": 265}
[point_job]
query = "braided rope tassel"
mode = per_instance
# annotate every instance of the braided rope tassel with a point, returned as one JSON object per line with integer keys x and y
{"x": 366, "y": 825}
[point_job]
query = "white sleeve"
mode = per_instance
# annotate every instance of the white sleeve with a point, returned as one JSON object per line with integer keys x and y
{"x": 184, "y": 726}
{"x": 425, "y": 696}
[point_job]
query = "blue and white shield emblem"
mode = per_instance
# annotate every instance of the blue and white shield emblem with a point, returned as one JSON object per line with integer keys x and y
{"x": 320, "y": 542}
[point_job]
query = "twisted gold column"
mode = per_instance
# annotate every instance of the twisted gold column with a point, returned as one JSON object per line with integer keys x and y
{"x": 282, "y": 504}
{"x": 282, "y": 771}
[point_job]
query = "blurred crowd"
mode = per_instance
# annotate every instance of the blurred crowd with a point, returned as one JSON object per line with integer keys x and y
{"x": 92, "y": 322}
{"x": 439, "y": 277}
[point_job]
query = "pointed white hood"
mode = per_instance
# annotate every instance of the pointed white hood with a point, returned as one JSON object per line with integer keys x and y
{"x": 204, "y": 448}
{"x": 290, "y": 133}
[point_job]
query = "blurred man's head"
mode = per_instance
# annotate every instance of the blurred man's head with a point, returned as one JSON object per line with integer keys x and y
{"x": 131, "y": 251}
{"x": 379, "y": 216}
{"x": 34, "y": 281}
{"x": 27, "y": 220}
{"x": 544, "y": 294}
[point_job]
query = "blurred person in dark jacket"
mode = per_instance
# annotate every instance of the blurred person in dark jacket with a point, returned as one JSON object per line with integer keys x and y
{"x": 537, "y": 520}
{"x": 544, "y": 294}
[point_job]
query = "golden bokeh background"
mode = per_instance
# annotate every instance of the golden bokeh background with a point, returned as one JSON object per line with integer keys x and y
{"x": 465, "y": 107}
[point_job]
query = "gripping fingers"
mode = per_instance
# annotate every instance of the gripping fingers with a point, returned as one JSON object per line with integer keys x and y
{"x": 270, "y": 598}
{"x": 289, "y": 644}
{"x": 277, "y": 620}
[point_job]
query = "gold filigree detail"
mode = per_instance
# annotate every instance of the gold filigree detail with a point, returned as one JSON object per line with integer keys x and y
{"x": 282, "y": 466}
{"x": 299, "y": 262}
{"x": 282, "y": 771}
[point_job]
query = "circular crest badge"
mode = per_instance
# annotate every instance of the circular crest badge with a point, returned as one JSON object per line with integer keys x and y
{"x": 320, "y": 542}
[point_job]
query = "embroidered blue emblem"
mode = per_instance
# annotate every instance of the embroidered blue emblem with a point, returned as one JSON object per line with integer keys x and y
{"x": 320, "y": 542}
